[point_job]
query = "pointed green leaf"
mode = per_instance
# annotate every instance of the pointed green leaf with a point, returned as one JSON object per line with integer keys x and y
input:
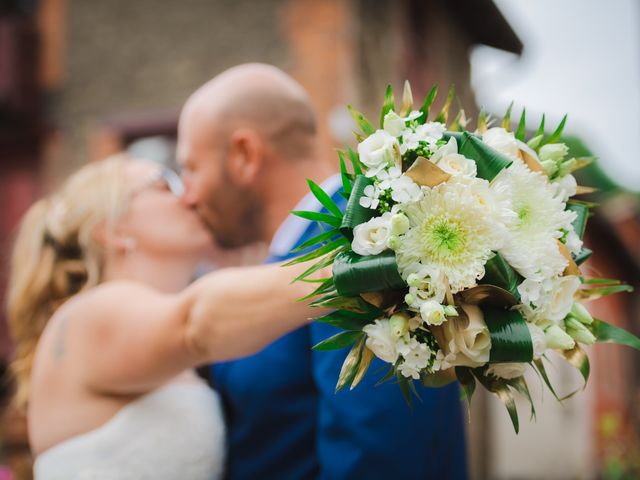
{"x": 362, "y": 122}
{"x": 483, "y": 121}
{"x": 350, "y": 365}
{"x": 444, "y": 112}
{"x": 535, "y": 142}
{"x": 605, "y": 332}
{"x": 388, "y": 105}
{"x": 355, "y": 162}
{"x": 352, "y": 304}
{"x": 338, "y": 341}
{"x": 501, "y": 390}
{"x": 467, "y": 381}
{"x": 428, "y": 101}
{"x": 323, "y": 262}
{"x": 318, "y": 252}
{"x": 322, "y": 196}
{"x": 403, "y": 382}
{"x": 321, "y": 238}
{"x": 543, "y": 373}
{"x": 540, "y": 131}
{"x": 506, "y": 120}
{"x": 522, "y": 126}
{"x": 341, "y": 320}
{"x": 319, "y": 217}
{"x": 325, "y": 286}
{"x": 555, "y": 136}
{"x": 386, "y": 377}
{"x": 347, "y": 178}
{"x": 519, "y": 384}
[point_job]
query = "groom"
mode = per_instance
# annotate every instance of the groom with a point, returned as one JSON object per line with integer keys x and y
{"x": 247, "y": 144}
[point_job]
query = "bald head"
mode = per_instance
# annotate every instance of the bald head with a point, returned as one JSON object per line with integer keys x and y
{"x": 260, "y": 97}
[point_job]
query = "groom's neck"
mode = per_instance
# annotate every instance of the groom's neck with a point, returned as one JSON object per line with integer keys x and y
{"x": 286, "y": 186}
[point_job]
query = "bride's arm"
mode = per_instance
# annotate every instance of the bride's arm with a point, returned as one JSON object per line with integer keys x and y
{"x": 127, "y": 338}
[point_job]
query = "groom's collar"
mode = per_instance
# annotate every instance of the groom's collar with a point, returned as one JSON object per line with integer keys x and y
{"x": 293, "y": 227}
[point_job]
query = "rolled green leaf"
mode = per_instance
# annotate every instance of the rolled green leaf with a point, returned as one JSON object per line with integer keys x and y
{"x": 580, "y": 223}
{"x": 605, "y": 332}
{"x": 354, "y": 274}
{"x": 355, "y": 214}
{"x": 499, "y": 273}
{"x": 338, "y": 341}
{"x": 489, "y": 162}
{"x": 510, "y": 337}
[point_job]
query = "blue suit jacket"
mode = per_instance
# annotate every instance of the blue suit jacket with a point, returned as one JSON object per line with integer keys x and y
{"x": 285, "y": 421}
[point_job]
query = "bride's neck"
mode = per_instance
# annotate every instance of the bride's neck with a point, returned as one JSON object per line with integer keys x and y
{"x": 169, "y": 275}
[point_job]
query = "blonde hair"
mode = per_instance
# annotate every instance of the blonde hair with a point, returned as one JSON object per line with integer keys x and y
{"x": 56, "y": 255}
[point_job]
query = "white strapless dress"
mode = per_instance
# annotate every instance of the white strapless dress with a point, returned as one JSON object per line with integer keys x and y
{"x": 174, "y": 432}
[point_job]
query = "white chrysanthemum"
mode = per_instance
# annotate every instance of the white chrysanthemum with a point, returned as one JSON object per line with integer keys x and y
{"x": 452, "y": 232}
{"x": 531, "y": 246}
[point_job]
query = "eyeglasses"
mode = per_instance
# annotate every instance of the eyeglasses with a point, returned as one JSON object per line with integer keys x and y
{"x": 169, "y": 177}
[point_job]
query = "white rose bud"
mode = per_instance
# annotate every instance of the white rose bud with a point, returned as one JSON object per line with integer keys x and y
{"x": 399, "y": 324}
{"x": 413, "y": 280}
{"x": 580, "y": 312}
{"x": 579, "y": 332}
{"x": 399, "y": 224}
{"x": 550, "y": 167}
{"x": 502, "y": 141}
{"x": 393, "y": 242}
{"x": 393, "y": 124}
{"x": 377, "y": 152}
{"x": 450, "y": 311}
{"x": 538, "y": 340}
{"x": 558, "y": 338}
{"x": 553, "y": 151}
{"x": 370, "y": 238}
{"x": 409, "y": 299}
{"x": 567, "y": 167}
{"x": 432, "y": 313}
{"x": 381, "y": 341}
{"x": 507, "y": 371}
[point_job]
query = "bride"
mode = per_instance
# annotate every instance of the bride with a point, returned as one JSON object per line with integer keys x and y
{"x": 108, "y": 330}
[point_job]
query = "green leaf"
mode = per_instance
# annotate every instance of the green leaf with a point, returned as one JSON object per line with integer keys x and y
{"x": 362, "y": 122}
{"x": 483, "y": 121}
{"x": 325, "y": 287}
{"x": 519, "y": 384}
{"x": 320, "y": 238}
{"x": 354, "y": 274}
{"x": 343, "y": 320}
{"x": 354, "y": 213}
{"x": 350, "y": 366}
{"x": 500, "y": 388}
{"x": 489, "y": 162}
{"x": 428, "y": 101}
{"x": 605, "y": 332}
{"x": 510, "y": 337}
{"x": 388, "y": 105}
{"x": 499, "y": 273}
{"x": 578, "y": 358}
{"x": 555, "y": 136}
{"x": 522, "y": 126}
{"x": 347, "y": 178}
{"x": 322, "y": 196}
{"x": 580, "y": 222}
{"x": 467, "y": 382}
{"x": 540, "y": 131}
{"x": 355, "y": 162}
{"x": 386, "y": 377}
{"x": 323, "y": 262}
{"x": 403, "y": 382}
{"x": 534, "y": 143}
{"x": 444, "y": 112}
{"x": 599, "y": 292}
{"x": 543, "y": 373}
{"x": 506, "y": 120}
{"x": 319, "y": 217}
{"x": 352, "y": 304}
{"x": 338, "y": 341}
{"x": 318, "y": 252}
{"x": 601, "y": 281}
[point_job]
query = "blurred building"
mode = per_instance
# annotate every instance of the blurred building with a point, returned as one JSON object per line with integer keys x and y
{"x": 81, "y": 79}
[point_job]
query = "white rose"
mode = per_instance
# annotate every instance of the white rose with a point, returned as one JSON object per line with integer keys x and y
{"x": 432, "y": 313}
{"x": 470, "y": 346}
{"x": 501, "y": 140}
{"x": 405, "y": 190}
{"x": 538, "y": 340}
{"x": 377, "y": 152}
{"x": 507, "y": 371}
{"x": 456, "y": 164}
{"x": 394, "y": 124}
{"x": 561, "y": 299}
{"x": 380, "y": 340}
{"x": 370, "y": 238}
{"x": 431, "y": 131}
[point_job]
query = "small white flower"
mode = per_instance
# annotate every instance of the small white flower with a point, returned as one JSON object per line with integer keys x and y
{"x": 456, "y": 164}
{"x": 380, "y": 340}
{"x": 405, "y": 190}
{"x": 573, "y": 243}
{"x": 370, "y": 199}
{"x": 385, "y": 177}
{"x": 502, "y": 141}
{"x": 394, "y": 124}
{"x": 566, "y": 187}
{"x": 507, "y": 371}
{"x": 370, "y": 238}
{"x": 416, "y": 356}
{"x": 432, "y": 313}
{"x": 377, "y": 152}
{"x": 538, "y": 340}
{"x": 530, "y": 291}
{"x": 552, "y": 300}
{"x": 431, "y": 131}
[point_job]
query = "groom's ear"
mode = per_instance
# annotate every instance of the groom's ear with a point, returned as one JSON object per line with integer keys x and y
{"x": 245, "y": 156}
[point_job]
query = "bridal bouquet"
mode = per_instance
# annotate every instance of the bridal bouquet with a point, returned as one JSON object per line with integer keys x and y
{"x": 457, "y": 258}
